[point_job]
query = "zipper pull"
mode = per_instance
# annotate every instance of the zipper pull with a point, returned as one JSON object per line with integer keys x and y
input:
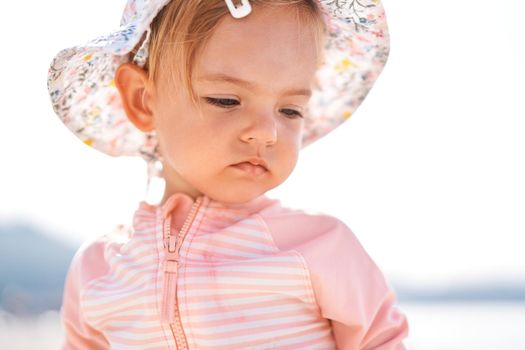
{"x": 168, "y": 298}
{"x": 171, "y": 265}
{"x": 172, "y": 245}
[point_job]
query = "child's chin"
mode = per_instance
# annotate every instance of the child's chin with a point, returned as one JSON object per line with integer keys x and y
{"x": 238, "y": 197}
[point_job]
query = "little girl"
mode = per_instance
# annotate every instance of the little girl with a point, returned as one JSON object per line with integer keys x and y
{"x": 223, "y": 96}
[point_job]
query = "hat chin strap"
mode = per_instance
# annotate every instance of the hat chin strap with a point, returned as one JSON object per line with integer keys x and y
{"x": 141, "y": 57}
{"x": 156, "y": 183}
{"x": 239, "y": 11}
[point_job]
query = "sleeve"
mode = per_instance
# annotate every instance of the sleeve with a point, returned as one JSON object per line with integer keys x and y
{"x": 349, "y": 288}
{"x": 352, "y": 292}
{"x": 79, "y": 335}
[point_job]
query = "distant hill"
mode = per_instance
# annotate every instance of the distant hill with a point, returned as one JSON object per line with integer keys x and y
{"x": 33, "y": 266}
{"x": 483, "y": 291}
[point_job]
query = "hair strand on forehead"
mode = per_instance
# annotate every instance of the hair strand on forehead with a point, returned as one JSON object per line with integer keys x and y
{"x": 183, "y": 27}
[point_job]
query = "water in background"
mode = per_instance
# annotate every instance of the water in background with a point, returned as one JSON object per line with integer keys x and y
{"x": 433, "y": 326}
{"x": 466, "y": 326}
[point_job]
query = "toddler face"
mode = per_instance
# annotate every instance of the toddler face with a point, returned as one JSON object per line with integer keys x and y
{"x": 252, "y": 81}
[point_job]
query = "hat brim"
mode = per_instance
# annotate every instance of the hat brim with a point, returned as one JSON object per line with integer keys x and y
{"x": 84, "y": 95}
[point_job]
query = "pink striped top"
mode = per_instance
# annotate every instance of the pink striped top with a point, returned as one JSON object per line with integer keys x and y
{"x": 207, "y": 275}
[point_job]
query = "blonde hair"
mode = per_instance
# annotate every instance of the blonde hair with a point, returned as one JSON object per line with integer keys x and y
{"x": 182, "y": 27}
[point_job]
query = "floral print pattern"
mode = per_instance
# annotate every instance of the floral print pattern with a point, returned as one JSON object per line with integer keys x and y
{"x": 84, "y": 96}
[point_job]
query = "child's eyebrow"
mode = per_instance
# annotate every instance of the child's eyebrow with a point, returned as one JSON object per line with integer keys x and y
{"x": 221, "y": 77}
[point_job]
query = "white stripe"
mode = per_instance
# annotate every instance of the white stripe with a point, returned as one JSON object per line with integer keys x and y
{"x": 142, "y": 324}
{"x": 134, "y": 257}
{"x": 118, "y": 308}
{"x": 257, "y": 231}
{"x": 149, "y": 262}
{"x": 249, "y": 282}
{"x": 261, "y": 335}
{"x": 111, "y": 283}
{"x": 114, "y": 312}
{"x": 198, "y": 305}
{"x": 95, "y": 298}
{"x": 225, "y": 291}
{"x": 206, "y": 247}
{"x": 240, "y": 242}
{"x": 246, "y": 268}
{"x": 131, "y": 335}
{"x": 288, "y": 258}
{"x": 327, "y": 344}
{"x": 135, "y": 249}
{"x": 259, "y": 311}
{"x": 118, "y": 346}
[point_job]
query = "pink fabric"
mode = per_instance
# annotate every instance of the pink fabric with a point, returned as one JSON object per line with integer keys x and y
{"x": 251, "y": 276}
{"x": 349, "y": 287}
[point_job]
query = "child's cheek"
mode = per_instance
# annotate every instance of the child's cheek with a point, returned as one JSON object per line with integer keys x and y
{"x": 221, "y": 123}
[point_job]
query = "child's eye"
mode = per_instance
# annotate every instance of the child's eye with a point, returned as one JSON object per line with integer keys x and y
{"x": 230, "y": 103}
{"x": 292, "y": 113}
{"x": 222, "y": 102}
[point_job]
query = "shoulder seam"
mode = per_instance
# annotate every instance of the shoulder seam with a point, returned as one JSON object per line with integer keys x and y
{"x": 90, "y": 284}
{"x": 309, "y": 285}
{"x": 267, "y": 231}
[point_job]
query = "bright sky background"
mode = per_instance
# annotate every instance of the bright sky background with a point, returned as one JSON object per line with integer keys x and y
{"x": 428, "y": 173}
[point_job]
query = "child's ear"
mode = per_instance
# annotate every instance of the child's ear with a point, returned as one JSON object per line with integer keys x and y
{"x": 132, "y": 84}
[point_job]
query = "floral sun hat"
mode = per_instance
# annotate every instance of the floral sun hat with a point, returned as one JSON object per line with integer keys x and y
{"x": 84, "y": 95}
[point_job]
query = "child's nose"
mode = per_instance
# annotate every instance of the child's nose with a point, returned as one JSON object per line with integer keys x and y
{"x": 262, "y": 129}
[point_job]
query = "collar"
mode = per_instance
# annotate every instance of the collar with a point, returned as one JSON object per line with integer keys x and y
{"x": 179, "y": 205}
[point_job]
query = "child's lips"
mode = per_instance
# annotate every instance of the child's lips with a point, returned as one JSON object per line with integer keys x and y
{"x": 250, "y": 169}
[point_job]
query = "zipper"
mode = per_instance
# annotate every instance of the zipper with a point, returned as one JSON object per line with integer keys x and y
{"x": 172, "y": 245}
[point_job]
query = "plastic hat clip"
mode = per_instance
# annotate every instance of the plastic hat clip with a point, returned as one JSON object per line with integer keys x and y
{"x": 240, "y": 11}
